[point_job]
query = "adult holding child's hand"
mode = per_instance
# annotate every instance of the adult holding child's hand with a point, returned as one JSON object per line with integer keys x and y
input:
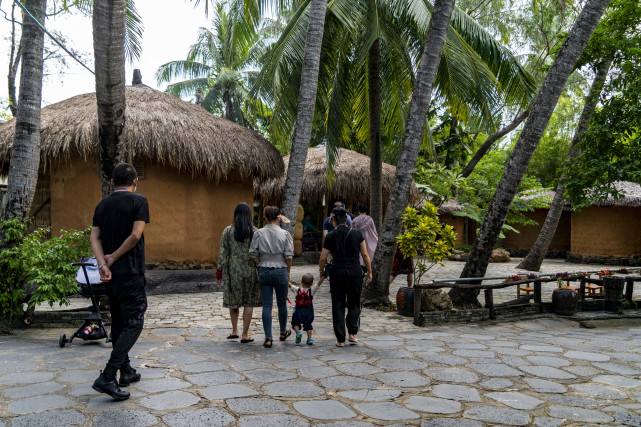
{"x": 346, "y": 276}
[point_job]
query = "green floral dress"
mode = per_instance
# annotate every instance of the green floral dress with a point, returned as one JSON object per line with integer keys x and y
{"x": 240, "y": 274}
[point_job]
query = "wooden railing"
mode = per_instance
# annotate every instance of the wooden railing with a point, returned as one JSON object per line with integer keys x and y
{"x": 476, "y": 283}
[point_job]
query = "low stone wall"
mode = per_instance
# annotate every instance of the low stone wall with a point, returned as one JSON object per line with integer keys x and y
{"x": 476, "y": 315}
{"x": 522, "y": 253}
{"x": 66, "y": 320}
{"x": 629, "y": 261}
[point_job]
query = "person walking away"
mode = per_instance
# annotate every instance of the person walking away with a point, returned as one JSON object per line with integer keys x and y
{"x": 328, "y": 225}
{"x": 346, "y": 276}
{"x": 365, "y": 224}
{"x": 118, "y": 245}
{"x": 239, "y": 271}
{"x": 303, "y": 314}
{"x": 272, "y": 248}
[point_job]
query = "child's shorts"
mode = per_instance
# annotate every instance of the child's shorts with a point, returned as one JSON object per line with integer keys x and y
{"x": 303, "y": 316}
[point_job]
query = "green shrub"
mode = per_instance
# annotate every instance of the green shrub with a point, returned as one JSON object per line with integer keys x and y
{"x": 36, "y": 268}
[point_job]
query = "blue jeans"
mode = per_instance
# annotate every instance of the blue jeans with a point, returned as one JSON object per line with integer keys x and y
{"x": 270, "y": 280}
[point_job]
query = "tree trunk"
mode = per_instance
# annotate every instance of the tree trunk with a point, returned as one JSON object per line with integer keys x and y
{"x": 485, "y": 147}
{"x": 535, "y": 257}
{"x": 25, "y": 154}
{"x": 542, "y": 108}
{"x": 305, "y": 111}
{"x": 375, "y": 148}
{"x": 14, "y": 62}
{"x": 378, "y": 290}
{"x": 109, "y": 55}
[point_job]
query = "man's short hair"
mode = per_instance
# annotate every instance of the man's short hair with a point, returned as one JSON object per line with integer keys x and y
{"x": 124, "y": 175}
{"x": 338, "y": 204}
{"x": 307, "y": 279}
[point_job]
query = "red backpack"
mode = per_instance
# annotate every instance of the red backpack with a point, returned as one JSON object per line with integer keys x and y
{"x": 304, "y": 299}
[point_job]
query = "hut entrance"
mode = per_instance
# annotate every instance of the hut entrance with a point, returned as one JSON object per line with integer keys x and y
{"x": 41, "y": 206}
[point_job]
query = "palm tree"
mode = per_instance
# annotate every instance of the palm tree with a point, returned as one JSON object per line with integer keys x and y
{"x": 372, "y": 44}
{"x": 219, "y": 63}
{"x": 437, "y": 31}
{"x": 109, "y": 17}
{"x": 25, "y": 154}
{"x": 540, "y": 112}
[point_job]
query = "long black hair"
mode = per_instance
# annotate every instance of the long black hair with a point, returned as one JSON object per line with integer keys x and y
{"x": 340, "y": 216}
{"x": 243, "y": 222}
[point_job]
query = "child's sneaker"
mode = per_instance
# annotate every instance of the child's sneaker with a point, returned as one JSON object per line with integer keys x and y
{"x": 310, "y": 342}
{"x": 299, "y": 337}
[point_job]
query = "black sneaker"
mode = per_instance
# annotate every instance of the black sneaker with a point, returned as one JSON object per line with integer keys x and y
{"x": 111, "y": 388}
{"x": 128, "y": 376}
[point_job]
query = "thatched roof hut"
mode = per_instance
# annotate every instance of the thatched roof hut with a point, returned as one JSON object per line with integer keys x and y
{"x": 352, "y": 176}
{"x": 158, "y": 126}
{"x": 194, "y": 168}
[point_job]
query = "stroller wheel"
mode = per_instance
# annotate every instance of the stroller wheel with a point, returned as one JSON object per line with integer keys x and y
{"x": 62, "y": 341}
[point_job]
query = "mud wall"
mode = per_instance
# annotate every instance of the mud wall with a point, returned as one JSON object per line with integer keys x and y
{"x": 528, "y": 234}
{"x": 614, "y": 231}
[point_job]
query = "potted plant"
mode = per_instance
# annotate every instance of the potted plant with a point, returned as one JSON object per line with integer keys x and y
{"x": 564, "y": 300}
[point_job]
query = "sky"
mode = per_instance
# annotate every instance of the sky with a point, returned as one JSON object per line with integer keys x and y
{"x": 171, "y": 26}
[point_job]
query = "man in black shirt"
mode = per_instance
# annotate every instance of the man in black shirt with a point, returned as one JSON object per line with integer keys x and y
{"x": 118, "y": 244}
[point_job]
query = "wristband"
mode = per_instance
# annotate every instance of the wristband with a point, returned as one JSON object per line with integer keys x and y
{"x": 100, "y": 267}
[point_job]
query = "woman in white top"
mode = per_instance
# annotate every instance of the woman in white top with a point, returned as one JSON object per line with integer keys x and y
{"x": 272, "y": 248}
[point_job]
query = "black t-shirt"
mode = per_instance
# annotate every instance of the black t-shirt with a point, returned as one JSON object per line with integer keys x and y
{"x": 115, "y": 216}
{"x": 352, "y": 246}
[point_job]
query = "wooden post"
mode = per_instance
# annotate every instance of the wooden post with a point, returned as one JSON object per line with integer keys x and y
{"x": 489, "y": 303}
{"x": 418, "y": 296}
{"x": 537, "y": 295}
{"x": 582, "y": 293}
{"x": 629, "y": 287}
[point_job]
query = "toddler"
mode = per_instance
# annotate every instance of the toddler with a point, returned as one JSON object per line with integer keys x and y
{"x": 303, "y": 314}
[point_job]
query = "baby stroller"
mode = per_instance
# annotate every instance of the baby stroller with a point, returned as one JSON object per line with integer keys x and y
{"x": 89, "y": 286}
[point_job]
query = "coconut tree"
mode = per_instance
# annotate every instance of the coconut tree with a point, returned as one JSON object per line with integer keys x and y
{"x": 412, "y": 138}
{"x": 25, "y": 153}
{"x": 540, "y": 112}
{"x": 371, "y": 48}
{"x": 220, "y": 64}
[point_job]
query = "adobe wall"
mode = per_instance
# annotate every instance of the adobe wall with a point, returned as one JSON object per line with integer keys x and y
{"x": 528, "y": 234}
{"x": 458, "y": 223}
{"x": 614, "y": 231}
{"x": 188, "y": 214}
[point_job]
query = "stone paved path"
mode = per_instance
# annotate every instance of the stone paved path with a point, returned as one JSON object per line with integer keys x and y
{"x": 546, "y": 371}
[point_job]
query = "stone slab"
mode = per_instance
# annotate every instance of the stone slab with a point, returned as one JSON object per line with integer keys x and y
{"x": 324, "y": 409}
{"x": 124, "y": 418}
{"x": 32, "y": 390}
{"x": 497, "y": 384}
{"x": 293, "y": 389}
{"x": 38, "y": 404}
{"x": 617, "y": 381}
{"x": 255, "y": 405}
{"x": 69, "y": 417}
{"x": 456, "y": 392}
{"x": 579, "y": 414}
{"x": 588, "y": 356}
{"x": 26, "y": 377}
{"x": 279, "y": 420}
{"x": 348, "y": 383}
{"x": 200, "y": 417}
{"x": 545, "y": 386}
{"x": 452, "y": 375}
{"x": 495, "y": 370}
{"x": 547, "y": 372}
{"x": 169, "y": 400}
{"x": 433, "y": 405}
{"x": 401, "y": 364}
{"x": 450, "y": 422}
{"x": 493, "y": 414}
{"x": 515, "y": 400}
{"x": 386, "y": 411}
{"x": 163, "y": 384}
{"x": 227, "y": 391}
{"x": 600, "y": 391}
{"x": 268, "y": 375}
{"x": 203, "y": 367}
{"x": 366, "y": 395}
{"x": 358, "y": 369}
{"x": 403, "y": 379}
{"x": 214, "y": 378}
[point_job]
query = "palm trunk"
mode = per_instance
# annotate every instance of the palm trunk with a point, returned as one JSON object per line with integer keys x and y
{"x": 485, "y": 147}
{"x": 109, "y": 55}
{"x": 375, "y": 148}
{"x": 378, "y": 290}
{"x": 25, "y": 154}
{"x": 542, "y": 108}
{"x": 535, "y": 257}
{"x": 14, "y": 62}
{"x": 305, "y": 111}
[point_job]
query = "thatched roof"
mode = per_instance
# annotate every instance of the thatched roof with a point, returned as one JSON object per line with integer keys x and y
{"x": 631, "y": 192}
{"x": 158, "y": 126}
{"x": 352, "y": 180}
{"x": 450, "y": 206}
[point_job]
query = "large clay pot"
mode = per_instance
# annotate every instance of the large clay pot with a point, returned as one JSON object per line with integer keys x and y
{"x": 298, "y": 231}
{"x": 564, "y": 301}
{"x": 613, "y": 292}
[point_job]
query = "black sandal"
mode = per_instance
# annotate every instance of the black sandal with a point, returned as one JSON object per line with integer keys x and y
{"x": 284, "y": 335}
{"x": 267, "y": 343}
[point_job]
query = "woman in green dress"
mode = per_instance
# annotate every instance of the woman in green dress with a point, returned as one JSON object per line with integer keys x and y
{"x": 239, "y": 271}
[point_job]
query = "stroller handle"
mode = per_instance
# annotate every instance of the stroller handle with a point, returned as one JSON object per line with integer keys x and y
{"x": 83, "y": 264}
